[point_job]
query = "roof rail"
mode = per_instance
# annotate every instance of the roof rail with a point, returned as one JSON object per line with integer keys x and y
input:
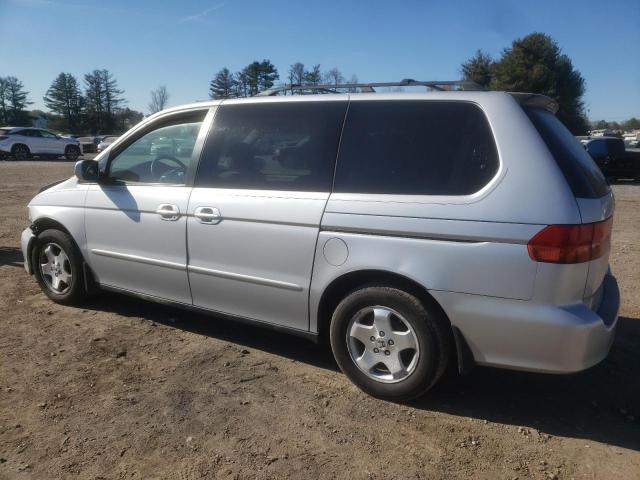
{"x": 370, "y": 87}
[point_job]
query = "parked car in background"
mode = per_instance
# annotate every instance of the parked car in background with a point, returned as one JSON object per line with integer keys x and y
{"x": 105, "y": 142}
{"x": 613, "y": 158}
{"x": 390, "y": 225}
{"x": 21, "y": 143}
{"x": 88, "y": 144}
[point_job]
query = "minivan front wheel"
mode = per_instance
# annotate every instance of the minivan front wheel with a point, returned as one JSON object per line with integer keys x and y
{"x": 389, "y": 343}
{"x": 57, "y": 266}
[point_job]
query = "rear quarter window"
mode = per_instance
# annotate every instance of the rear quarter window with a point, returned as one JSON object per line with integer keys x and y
{"x": 415, "y": 148}
{"x": 582, "y": 174}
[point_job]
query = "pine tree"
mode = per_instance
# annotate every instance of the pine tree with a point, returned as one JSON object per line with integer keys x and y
{"x": 256, "y": 77}
{"x": 267, "y": 75}
{"x": 4, "y": 106}
{"x": 223, "y": 85}
{"x": 313, "y": 76}
{"x": 536, "y": 64}
{"x": 102, "y": 100}
{"x": 13, "y": 100}
{"x": 94, "y": 101}
{"x": 112, "y": 98}
{"x": 478, "y": 68}
{"x": 64, "y": 98}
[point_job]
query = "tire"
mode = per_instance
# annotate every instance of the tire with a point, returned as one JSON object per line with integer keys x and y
{"x": 418, "y": 369}
{"x": 57, "y": 266}
{"x": 20, "y": 152}
{"x": 71, "y": 153}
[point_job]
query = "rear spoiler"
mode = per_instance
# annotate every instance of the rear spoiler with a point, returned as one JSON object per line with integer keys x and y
{"x": 535, "y": 100}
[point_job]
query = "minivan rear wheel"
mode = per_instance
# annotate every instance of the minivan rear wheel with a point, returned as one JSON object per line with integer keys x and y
{"x": 389, "y": 343}
{"x": 57, "y": 266}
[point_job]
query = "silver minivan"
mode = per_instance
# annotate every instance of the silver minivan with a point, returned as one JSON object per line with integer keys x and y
{"x": 414, "y": 231}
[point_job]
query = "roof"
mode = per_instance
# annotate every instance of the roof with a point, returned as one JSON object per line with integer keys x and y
{"x": 524, "y": 99}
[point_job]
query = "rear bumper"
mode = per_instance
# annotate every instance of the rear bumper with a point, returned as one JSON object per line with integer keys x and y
{"x": 26, "y": 240}
{"x": 521, "y": 335}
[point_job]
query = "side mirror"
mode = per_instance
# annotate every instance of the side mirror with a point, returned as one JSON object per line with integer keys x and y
{"x": 87, "y": 171}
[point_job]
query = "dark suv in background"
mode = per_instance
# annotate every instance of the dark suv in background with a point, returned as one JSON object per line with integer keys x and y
{"x": 611, "y": 155}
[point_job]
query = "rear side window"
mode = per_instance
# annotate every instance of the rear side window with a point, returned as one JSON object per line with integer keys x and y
{"x": 415, "y": 148}
{"x": 582, "y": 173}
{"x": 273, "y": 146}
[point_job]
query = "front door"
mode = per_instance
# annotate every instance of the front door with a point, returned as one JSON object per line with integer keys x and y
{"x": 264, "y": 179}
{"x": 136, "y": 216}
{"x": 50, "y": 143}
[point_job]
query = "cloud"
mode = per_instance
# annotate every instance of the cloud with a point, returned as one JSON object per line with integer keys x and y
{"x": 201, "y": 16}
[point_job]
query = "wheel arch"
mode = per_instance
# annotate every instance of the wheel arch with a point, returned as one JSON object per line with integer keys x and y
{"x": 20, "y": 144}
{"x": 341, "y": 286}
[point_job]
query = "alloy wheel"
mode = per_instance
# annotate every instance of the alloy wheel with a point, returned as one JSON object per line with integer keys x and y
{"x": 55, "y": 268}
{"x": 383, "y": 344}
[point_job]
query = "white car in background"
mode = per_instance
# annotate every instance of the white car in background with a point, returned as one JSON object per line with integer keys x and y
{"x": 106, "y": 141}
{"x": 20, "y": 143}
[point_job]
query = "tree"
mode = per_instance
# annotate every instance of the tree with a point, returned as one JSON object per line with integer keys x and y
{"x": 632, "y": 124}
{"x": 333, "y": 76}
{"x": 4, "y": 104}
{"x": 296, "y": 73}
{"x": 94, "y": 101}
{"x": 112, "y": 97}
{"x": 313, "y": 76}
{"x": 267, "y": 75}
{"x": 13, "y": 100}
{"x": 102, "y": 99}
{"x": 159, "y": 99}
{"x": 125, "y": 118}
{"x": 64, "y": 98}
{"x": 536, "y": 64}
{"x": 353, "y": 79}
{"x": 223, "y": 85}
{"x": 478, "y": 69}
{"x": 256, "y": 77}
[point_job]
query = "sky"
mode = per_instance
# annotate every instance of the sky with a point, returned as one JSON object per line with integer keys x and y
{"x": 182, "y": 44}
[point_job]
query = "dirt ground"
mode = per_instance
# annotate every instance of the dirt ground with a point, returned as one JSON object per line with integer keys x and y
{"x": 126, "y": 389}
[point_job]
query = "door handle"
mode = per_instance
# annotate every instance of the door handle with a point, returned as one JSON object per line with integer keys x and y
{"x": 207, "y": 215}
{"x": 168, "y": 212}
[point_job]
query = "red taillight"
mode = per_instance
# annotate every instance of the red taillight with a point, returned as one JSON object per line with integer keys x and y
{"x": 571, "y": 243}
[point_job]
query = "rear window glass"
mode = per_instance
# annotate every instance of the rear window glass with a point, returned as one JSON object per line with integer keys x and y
{"x": 415, "y": 148}
{"x": 582, "y": 173}
{"x": 4, "y": 131}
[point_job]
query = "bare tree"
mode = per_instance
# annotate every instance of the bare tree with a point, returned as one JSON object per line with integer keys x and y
{"x": 296, "y": 73}
{"x": 159, "y": 99}
{"x": 333, "y": 76}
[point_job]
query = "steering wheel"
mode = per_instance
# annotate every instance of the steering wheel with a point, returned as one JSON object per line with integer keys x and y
{"x": 182, "y": 168}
